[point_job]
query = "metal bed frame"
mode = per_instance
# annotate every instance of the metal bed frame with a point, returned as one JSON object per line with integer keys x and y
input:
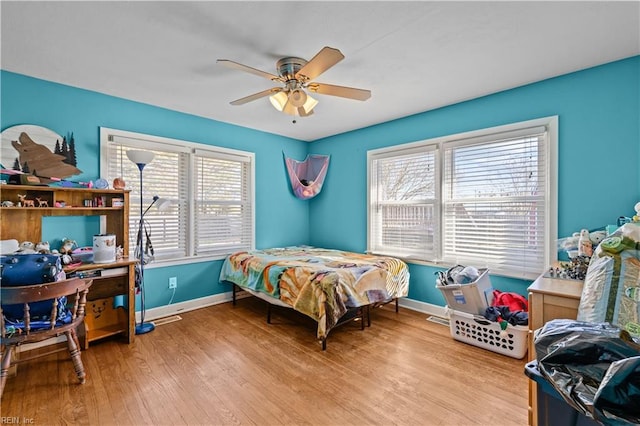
{"x": 360, "y": 313}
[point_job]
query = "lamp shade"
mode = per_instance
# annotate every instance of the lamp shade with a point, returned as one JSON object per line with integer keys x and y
{"x": 297, "y": 98}
{"x": 163, "y": 204}
{"x": 309, "y": 104}
{"x": 278, "y": 100}
{"x": 298, "y": 102}
{"x": 140, "y": 157}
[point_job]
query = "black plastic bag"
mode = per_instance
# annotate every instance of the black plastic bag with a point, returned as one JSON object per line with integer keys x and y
{"x": 595, "y": 367}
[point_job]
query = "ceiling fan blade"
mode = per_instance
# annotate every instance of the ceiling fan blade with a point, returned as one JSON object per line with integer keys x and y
{"x": 255, "y": 96}
{"x": 325, "y": 59}
{"x": 342, "y": 91}
{"x": 231, "y": 64}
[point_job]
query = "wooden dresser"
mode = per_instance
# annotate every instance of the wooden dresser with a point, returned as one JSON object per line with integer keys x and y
{"x": 549, "y": 298}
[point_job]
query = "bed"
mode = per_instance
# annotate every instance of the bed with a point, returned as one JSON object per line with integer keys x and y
{"x": 327, "y": 285}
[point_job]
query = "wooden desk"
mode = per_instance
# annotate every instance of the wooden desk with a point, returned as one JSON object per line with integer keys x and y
{"x": 549, "y": 298}
{"x": 117, "y": 279}
{"x": 102, "y": 319}
{"x": 112, "y": 206}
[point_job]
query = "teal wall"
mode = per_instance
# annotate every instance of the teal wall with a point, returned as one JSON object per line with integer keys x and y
{"x": 599, "y": 158}
{"x": 281, "y": 219}
{"x": 598, "y": 153}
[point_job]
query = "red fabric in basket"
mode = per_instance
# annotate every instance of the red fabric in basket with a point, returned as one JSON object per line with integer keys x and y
{"x": 514, "y": 301}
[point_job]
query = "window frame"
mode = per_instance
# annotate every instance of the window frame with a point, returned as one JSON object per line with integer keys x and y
{"x": 439, "y": 144}
{"x": 192, "y": 150}
{"x": 402, "y": 151}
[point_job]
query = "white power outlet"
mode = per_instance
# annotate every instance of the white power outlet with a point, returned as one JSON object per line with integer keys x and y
{"x": 173, "y": 282}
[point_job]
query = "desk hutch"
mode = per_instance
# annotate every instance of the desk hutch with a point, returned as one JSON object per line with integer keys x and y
{"x": 110, "y": 279}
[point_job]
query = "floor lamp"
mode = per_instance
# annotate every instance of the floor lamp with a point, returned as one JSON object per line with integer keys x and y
{"x": 141, "y": 159}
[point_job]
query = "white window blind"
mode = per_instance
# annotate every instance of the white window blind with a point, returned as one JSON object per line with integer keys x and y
{"x": 484, "y": 198}
{"x": 161, "y": 177}
{"x": 210, "y": 190}
{"x": 403, "y": 207}
{"x": 494, "y": 202}
{"x": 223, "y": 205}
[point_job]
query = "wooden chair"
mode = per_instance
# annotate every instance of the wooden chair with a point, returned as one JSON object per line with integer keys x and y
{"x": 75, "y": 289}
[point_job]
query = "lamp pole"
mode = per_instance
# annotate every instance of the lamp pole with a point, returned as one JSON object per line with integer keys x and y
{"x": 141, "y": 159}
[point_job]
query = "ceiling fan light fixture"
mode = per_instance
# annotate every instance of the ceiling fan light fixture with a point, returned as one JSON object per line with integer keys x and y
{"x": 297, "y": 98}
{"x": 284, "y": 103}
{"x": 309, "y": 104}
{"x": 302, "y": 111}
{"x": 290, "y": 109}
{"x": 279, "y": 100}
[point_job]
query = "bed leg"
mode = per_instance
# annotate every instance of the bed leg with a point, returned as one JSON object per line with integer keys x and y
{"x": 363, "y": 314}
{"x": 268, "y": 313}
{"x": 368, "y": 316}
{"x": 396, "y": 305}
{"x": 324, "y": 344}
{"x": 234, "y": 294}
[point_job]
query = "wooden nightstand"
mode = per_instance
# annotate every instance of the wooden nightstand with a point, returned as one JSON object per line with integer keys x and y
{"x": 549, "y": 298}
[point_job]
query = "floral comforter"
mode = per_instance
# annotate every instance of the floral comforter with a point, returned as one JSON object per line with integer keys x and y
{"x": 320, "y": 283}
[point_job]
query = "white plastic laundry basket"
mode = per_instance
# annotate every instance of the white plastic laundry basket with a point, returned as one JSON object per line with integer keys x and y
{"x": 478, "y": 331}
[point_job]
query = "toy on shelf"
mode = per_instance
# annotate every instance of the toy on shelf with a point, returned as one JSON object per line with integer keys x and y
{"x": 67, "y": 246}
{"x": 24, "y": 202}
{"x": 576, "y": 269}
{"x": 585, "y": 247}
{"x": 578, "y": 243}
{"x": 27, "y": 247}
{"x": 43, "y": 247}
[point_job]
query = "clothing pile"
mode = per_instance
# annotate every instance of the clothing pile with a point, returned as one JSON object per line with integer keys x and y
{"x": 508, "y": 308}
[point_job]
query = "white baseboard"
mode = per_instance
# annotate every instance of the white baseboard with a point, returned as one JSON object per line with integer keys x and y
{"x": 427, "y": 308}
{"x": 189, "y": 305}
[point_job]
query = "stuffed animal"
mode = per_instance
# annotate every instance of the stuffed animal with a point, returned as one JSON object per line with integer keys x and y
{"x": 585, "y": 248}
{"x": 43, "y": 247}
{"x": 596, "y": 237}
{"x": 570, "y": 243}
{"x": 67, "y": 246}
{"x": 636, "y": 218}
{"x": 27, "y": 247}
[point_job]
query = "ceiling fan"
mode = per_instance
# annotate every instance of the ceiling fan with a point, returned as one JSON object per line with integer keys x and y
{"x": 296, "y": 74}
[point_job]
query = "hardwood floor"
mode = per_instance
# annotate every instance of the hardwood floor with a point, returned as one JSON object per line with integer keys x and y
{"x": 226, "y": 365}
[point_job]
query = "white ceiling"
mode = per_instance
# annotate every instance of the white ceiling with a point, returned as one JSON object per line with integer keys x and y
{"x": 413, "y": 56}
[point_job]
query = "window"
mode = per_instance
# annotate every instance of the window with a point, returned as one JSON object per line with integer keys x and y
{"x": 482, "y": 198}
{"x": 404, "y": 215}
{"x": 210, "y": 189}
